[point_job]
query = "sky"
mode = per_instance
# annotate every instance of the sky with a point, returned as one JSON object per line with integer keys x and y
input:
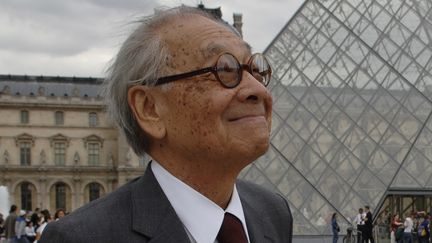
{"x": 80, "y": 37}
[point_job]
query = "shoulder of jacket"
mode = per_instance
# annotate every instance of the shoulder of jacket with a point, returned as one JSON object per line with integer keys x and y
{"x": 259, "y": 196}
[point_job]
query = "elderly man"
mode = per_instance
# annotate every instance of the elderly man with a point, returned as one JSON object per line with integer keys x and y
{"x": 186, "y": 89}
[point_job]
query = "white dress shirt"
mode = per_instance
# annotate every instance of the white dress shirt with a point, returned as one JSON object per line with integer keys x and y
{"x": 408, "y": 225}
{"x": 359, "y": 219}
{"x": 201, "y": 217}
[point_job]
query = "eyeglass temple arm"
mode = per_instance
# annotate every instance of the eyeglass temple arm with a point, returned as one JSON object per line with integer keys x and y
{"x": 168, "y": 79}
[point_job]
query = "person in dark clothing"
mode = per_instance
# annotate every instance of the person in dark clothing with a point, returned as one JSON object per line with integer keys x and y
{"x": 10, "y": 223}
{"x": 423, "y": 230}
{"x": 187, "y": 91}
{"x": 335, "y": 228}
{"x": 1, "y": 225}
{"x": 35, "y": 218}
{"x": 367, "y": 232}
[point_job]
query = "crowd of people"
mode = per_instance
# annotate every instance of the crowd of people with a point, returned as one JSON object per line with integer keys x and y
{"x": 415, "y": 227}
{"x": 22, "y": 226}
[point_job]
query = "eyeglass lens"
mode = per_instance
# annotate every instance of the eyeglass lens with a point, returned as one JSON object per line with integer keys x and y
{"x": 229, "y": 70}
{"x": 260, "y": 69}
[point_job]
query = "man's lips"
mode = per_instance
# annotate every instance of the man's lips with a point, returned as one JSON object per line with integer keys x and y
{"x": 248, "y": 117}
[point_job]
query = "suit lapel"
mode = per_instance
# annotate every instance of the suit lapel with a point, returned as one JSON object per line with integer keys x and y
{"x": 258, "y": 227}
{"x": 153, "y": 215}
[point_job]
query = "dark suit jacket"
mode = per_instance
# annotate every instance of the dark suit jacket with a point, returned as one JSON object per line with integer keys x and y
{"x": 140, "y": 212}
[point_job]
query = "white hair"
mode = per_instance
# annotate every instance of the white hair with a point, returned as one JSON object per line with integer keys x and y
{"x": 141, "y": 60}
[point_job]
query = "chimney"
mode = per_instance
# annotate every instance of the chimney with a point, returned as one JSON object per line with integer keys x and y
{"x": 238, "y": 22}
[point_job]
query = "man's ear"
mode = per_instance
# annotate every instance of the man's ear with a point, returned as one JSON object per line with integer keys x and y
{"x": 142, "y": 103}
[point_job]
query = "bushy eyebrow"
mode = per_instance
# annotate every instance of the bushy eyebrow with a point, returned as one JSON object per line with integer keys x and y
{"x": 214, "y": 49}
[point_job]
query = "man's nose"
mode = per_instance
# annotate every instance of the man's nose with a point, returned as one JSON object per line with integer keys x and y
{"x": 251, "y": 90}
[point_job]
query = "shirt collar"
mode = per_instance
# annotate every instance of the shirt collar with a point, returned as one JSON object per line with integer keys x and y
{"x": 201, "y": 217}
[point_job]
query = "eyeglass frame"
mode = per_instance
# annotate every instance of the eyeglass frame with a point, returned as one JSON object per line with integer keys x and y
{"x": 214, "y": 71}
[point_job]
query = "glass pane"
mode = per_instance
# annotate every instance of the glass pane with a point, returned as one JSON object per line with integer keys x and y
{"x": 25, "y": 158}
{"x": 59, "y": 118}
{"x": 24, "y": 117}
{"x": 60, "y": 196}
{"x": 59, "y": 153}
{"x": 93, "y": 119}
{"x": 93, "y": 153}
{"x": 26, "y": 196}
{"x": 352, "y": 108}
{"x": 94, "y": 191}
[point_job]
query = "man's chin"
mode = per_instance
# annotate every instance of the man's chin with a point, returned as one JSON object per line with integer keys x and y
{"x": 255, "y": 150}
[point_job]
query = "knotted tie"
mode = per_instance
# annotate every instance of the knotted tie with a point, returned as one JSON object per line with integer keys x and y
{"x": 231, "y": 230}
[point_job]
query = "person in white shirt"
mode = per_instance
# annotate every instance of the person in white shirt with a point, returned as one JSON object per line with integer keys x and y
{"x": 359, "y": 222}
{"x": 20, "y": 224}
{"x": 408, "y": 224}
{"x": 44, "y": 220}
{"x": 30, "y": 231}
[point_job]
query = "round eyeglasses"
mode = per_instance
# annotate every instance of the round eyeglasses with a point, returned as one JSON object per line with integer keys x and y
{"x": 228, "y": 70}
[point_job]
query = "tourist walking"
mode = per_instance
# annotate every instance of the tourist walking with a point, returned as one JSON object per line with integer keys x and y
{"x": 423, "y": 232}
{"x": 30, "y": 231}
{"x": 367, "y": 234}
{"x": 9, "y": 224}
{"x": 396, "y": 225}
{"x": 359, "y": 222}
{"x": 408, "y": 224}
{"x": 44, "y": 220}
{"x": 335, "y": 228}
{"x": 35, "y": 218}
{"x": 20, "y": 225}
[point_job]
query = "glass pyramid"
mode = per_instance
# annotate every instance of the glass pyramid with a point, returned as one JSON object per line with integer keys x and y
{"x": 352, "y": 92}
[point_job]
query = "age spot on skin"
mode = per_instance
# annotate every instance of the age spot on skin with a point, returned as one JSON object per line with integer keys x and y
{"x": 200, "y": 89}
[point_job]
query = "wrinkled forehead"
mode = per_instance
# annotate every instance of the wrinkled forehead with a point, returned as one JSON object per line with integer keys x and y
{"x": 198, "y": 35}
{"x": 215, "y": 48}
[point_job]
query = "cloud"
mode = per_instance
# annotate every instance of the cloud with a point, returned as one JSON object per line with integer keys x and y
{"x": 78, "y": 37}
{"x": 63, "y": 28}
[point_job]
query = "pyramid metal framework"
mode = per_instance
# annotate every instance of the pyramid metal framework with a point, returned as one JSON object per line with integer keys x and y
{"x": 352, "y": 92}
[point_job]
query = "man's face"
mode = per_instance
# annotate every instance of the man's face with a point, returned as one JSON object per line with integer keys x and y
{"x": 203, "y": 119}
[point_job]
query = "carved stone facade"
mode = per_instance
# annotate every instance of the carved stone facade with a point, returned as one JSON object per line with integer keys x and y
{"x": 57, "y": 149}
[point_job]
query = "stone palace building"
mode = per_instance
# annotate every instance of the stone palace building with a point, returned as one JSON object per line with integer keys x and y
{"x": 57, "y": 149}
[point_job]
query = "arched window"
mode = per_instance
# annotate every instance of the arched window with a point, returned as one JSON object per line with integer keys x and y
{"x": 59, "y": 119}
{"x": 94, "y": 191}
{"x": 26, "y": 196}
{"x": 60, "y": 195}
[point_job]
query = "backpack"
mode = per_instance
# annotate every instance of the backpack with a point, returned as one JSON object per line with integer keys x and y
{"x": 421, "y": 232}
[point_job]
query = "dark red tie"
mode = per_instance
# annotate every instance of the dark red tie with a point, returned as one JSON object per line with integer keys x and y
{"x": 231, "y": 230}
